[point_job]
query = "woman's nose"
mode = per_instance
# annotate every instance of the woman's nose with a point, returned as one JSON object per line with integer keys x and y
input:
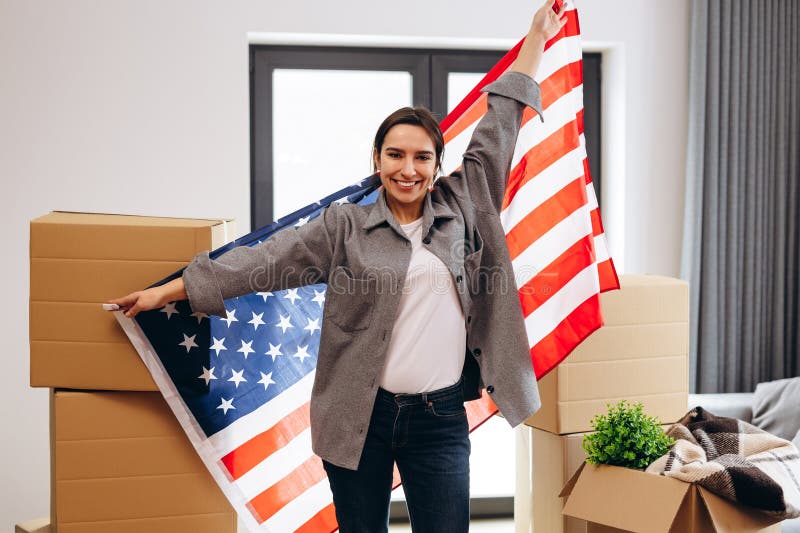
{"x": 408, "y": 167}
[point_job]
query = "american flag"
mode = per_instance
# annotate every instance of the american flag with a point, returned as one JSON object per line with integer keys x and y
{"x": 240, "y": 385}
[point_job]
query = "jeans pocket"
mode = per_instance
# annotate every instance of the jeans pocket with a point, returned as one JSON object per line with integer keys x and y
{"x": 447, "y": 408}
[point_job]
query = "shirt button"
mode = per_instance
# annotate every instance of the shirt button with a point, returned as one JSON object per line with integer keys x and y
{"x": 459, "y": 278}
{"x": 476, "y": 352}
{"x": 490, "y": 389}
{"x": 426, "y": 240}
{"x": 469, "y": 319}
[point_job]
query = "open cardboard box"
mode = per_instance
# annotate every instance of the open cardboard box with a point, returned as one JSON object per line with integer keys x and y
{"x": 616, "y": 499}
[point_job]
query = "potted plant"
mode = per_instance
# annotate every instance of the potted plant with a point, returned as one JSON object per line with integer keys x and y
{"x": 627, "y": 437}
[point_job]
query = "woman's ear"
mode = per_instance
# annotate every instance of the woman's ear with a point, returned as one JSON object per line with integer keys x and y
{"x": 376, "y": 161}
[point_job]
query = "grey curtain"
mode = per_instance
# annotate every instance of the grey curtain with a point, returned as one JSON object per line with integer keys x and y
{"x": 742, "y": 222}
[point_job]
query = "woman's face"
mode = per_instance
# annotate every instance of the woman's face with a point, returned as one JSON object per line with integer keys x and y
{"x": 407, "y": 164}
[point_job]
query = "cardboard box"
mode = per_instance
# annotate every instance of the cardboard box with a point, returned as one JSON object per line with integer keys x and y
{"x": 619, "y": 499}
{"x": 121, "y": 463}
{"x": 545, "y": 462}
{"x": 641, "y": 354}
{"x": 78, "y": 261}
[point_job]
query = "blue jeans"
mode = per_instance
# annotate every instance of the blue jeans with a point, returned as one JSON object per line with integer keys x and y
{"x": 427, "y": 435}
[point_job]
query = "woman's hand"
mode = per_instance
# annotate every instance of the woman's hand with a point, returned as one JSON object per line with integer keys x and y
{"x": 546, "y": 24}
{"x": 132, "y": 304}
{"x": 549, "y": 20}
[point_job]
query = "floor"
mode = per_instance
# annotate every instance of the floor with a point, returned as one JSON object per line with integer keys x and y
{"x": 476, "y": 526}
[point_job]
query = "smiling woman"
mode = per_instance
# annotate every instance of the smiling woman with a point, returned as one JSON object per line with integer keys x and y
{"x": 410, "y": 330}
{"x": 408, "y": 153}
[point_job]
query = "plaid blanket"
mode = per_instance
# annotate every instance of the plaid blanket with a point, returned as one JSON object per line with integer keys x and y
{"x": 734, "y": 460}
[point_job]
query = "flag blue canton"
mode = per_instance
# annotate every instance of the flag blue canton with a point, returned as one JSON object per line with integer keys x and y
{"x": 226, "y": 367}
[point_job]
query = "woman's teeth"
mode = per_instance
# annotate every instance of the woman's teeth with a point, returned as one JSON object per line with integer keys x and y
{"x": 406, "y": 184}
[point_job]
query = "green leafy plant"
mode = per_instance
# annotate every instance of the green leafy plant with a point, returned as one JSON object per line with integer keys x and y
{"x": 626, "y": 436}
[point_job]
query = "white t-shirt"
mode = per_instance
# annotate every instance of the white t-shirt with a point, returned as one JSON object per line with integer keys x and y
{"x": 426, "y": 351}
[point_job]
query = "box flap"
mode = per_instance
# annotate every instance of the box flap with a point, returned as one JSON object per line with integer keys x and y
{"x": 567, "y": 490}
{"x": 624, "y": 498}
{"x": 729, "y": 517}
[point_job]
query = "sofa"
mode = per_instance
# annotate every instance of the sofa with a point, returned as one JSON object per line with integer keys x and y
{"x": 773, "y": 407}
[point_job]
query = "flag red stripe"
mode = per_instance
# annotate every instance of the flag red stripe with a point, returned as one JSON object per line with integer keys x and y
{"x": 586, "y": 173}
{"x": 245, "y": 457}
{"x": 541, "y": 156}
{"x": 608, "y": 276}
{"x": 597, "y": 226}
{"x": 555, "y": 276}
{"x": 287, "y": 489}
{"x": 324, "y": 520}
{"x": 561, "y": 82}
{"x": 547, "y": 215}
{"x": 571, "y": 331}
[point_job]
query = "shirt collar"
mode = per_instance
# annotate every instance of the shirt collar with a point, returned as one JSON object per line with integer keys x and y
{"x": 380, "y": 213}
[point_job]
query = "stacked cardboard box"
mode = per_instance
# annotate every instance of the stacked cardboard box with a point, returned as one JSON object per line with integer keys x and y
{"x": 640, "y": 355}
{"x": 120, "y": 463}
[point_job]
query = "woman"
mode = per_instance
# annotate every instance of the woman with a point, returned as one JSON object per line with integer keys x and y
{"x": 421, "y": 309}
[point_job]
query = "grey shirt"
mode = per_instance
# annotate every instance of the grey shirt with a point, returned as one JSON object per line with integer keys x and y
{"x": 363, "y": 255}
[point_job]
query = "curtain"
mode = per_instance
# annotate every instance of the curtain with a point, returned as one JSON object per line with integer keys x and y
{"x": 742, "y": 222}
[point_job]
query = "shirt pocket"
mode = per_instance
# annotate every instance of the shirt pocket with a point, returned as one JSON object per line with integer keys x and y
{"x": 350, "y": 301}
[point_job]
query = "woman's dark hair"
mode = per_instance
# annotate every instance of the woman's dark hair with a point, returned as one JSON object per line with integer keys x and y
{"x": 416, "y": 116}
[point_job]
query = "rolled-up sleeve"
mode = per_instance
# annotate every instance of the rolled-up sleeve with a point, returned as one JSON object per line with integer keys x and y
{"x": 487, "y": 160}
{"x": 291, "y": 258}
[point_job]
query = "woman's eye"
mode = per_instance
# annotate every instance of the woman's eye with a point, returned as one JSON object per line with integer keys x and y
{"x": 425, "y": 157}
{"x": 394, "y": 156}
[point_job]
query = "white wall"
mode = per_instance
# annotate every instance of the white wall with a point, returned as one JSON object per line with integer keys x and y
{"x": 142, "y": 107}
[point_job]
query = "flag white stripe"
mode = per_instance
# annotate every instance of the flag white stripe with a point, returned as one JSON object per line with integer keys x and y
{"x": 276, "y": 466}
{"x": 552, "y": 244}
{"x": 600, "y": 248}
{"x": 297, "y": 512}
{"x": 537, "y": 191}
{"x": 533, "y": 132}
{"x": 563, "y": 52}
{"x": 590, "y": 197}
{"x": 263, "y": 418}
{"x": 546, "y": 317}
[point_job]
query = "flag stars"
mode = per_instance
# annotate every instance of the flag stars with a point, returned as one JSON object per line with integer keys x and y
{"x": 284, "y": 324}
{"x": 302, "y": 222}
{"x": 313, "y": 325}
{"x": 274, "y": 351}
{"x": 256, "y": 321}
{"x": 319, "y": 297}
{"x": 264, "y": 295}
{"x": 266, "y": 380}
{"x": 219, "y": 345}
{"x": 237, "y": 377}
{"x": 199, "y": 316}
{"x": 225, "y": 405}
{"x": 208, "y": 375}
{"x": 246, "y": 349}
{"x": 302, "y": 353}
{"x": 291, "y": 294}
{"x": 230, "y": 317}
{"x": 170, "y": 310}
{"x": 188, "y": 342}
